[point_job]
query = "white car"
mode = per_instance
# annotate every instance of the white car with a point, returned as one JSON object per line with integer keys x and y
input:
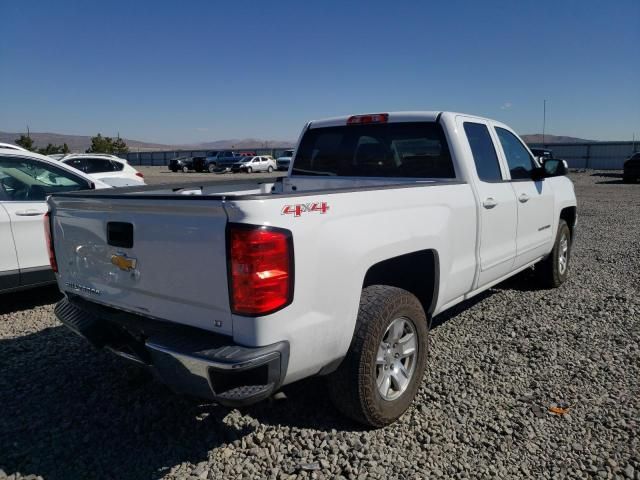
{"x": 12, "y": 147}
{"x": 110, "y": 169}
{"x": 255, "y": 164}
{"x": 26, "y": 179}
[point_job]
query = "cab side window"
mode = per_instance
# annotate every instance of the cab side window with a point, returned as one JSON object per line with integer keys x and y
{"x": 518, "y": 158}
{"x": 483, "y": 151}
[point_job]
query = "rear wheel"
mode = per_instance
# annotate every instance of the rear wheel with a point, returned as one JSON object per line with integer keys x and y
{"x": 185, "y": 169}
{"x": 211, "y": 167}
{"x": 270, "y": 169}
{"x": 379, "y": 378}
{"x": 554, "y": 270}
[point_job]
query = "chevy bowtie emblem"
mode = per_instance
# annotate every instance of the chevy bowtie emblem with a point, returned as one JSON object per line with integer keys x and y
{"x": 124, "y": 263}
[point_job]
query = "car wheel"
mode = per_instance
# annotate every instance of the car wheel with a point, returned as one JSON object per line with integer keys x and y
{"x": 211, "y": 168}
{"x": 554, "y": 270}
{"x": 249, "y": 169}
{"x": 379, "y": 378}
{"x": 270, "y": 169}
{"x": 185, "y": 169}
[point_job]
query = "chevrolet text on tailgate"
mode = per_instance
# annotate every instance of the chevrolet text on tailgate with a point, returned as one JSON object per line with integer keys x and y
{"x": 230, "y": 291}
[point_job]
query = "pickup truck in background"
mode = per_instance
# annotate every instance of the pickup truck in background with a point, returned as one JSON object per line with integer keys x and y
{"x": 229, "y": 292}
{"x": 215, "y": 161}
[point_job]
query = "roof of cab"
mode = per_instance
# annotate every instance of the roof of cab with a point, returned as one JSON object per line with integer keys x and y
{"x": 409, "y": 116}
{"x": 393, "y": 117}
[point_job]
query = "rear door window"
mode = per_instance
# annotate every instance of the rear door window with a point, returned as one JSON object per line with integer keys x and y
{"x": 484, "y": 152}
{"x": 411, "y": 149}
{"x": 98, "y": 165}
{"x": 117, "y": 166}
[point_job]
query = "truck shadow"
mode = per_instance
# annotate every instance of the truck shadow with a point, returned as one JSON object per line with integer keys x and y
{"x": 71, "y": 412}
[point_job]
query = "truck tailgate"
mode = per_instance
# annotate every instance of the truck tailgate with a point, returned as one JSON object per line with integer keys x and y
{"x": 165, "y": 259}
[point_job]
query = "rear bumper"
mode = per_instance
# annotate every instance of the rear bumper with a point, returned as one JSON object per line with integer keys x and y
{"x": 189, "y": 360}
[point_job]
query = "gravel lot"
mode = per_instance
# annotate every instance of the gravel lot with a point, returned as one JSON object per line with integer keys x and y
{"x": 498, "y": 363}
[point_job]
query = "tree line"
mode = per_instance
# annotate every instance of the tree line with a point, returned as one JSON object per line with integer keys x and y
{"x": 99, "y": 144}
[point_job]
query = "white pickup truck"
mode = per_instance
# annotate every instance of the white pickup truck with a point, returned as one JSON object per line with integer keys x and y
{"x": 229, "y": 291}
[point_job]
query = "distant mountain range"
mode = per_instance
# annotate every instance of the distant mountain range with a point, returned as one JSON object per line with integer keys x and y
{"x": 537, "y": 138}
{"x": 80, "y": 143}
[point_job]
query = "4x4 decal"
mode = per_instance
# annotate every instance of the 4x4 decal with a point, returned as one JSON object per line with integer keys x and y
{"x": 300, "y": 208}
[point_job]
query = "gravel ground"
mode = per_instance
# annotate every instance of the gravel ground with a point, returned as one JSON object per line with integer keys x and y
{"x": 498, "y": 363}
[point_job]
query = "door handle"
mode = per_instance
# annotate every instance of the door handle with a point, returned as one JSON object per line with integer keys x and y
{"x": 524, "y": 198}
{"x": 28, "y": 213}
{"x": 489, "y": 203}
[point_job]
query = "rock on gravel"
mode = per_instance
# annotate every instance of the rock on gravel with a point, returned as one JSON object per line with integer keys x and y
{"x": 497, "y": 364}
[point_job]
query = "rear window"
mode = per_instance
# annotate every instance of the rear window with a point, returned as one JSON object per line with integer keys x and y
{"x": 416, "y": 149}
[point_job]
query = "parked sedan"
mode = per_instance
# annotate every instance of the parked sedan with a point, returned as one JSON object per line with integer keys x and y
{"x": 255, "y": 164}
{"x": 107, "y": 168}
{"x": 631, "y": 172}
{"x": 26, "y": 179}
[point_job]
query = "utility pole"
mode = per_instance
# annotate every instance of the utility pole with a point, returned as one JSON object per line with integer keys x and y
{"x": 544, "y": 120}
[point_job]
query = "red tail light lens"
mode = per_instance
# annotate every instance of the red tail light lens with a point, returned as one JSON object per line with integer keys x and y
{"x": 370, "y": 118}
{"x": 49, "y": 239}
{"x": 260, "y": 269}
{"x": 138, "y": 174}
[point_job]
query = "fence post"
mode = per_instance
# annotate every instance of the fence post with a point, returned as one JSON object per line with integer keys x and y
{"x": 588, "y": 155}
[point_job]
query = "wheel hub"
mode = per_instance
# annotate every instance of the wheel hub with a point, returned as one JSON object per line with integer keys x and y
{"x": 563, "y": 257}
{"x": 396, "y": 359}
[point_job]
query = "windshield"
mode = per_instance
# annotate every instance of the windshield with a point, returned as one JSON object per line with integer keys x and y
{"x": 415, "y": 150}
{"x": 287, "y": 153}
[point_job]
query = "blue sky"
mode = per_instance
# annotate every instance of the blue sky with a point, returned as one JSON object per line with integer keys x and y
{"x": 181, "y": 72}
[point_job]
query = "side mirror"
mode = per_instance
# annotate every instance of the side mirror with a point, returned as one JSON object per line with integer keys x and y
{"x": 554, "y": 167}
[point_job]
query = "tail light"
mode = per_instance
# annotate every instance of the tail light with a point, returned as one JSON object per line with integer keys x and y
{"x": 49, "y": 239}
{"x": 370, "y": 118}
{"x": 260, "y": 269}
{"x": 139, "y": 174}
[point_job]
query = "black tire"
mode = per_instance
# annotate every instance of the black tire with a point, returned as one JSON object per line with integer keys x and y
{"x": 270, "y": 169}
{"x": 627, "y": 179}
{"x": 352, "y": 387}
{"x": 212, "y": 168}
{"x": 185, "y": 169}
{"x": 549, "y": 270}
{"x": 249, "y": 169}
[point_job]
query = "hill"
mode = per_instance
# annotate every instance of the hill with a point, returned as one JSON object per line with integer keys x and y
{"x": 80, "y": 143}
{"x": 77, "y": 143}
{"x": 537, "y": 138}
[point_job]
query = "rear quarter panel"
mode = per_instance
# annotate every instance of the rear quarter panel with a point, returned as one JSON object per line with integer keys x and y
{"x": 334, "y": 250}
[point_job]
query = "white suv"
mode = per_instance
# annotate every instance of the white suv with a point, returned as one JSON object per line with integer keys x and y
{"x": 110, "y": 169}
{"x": 26, "y": 179}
